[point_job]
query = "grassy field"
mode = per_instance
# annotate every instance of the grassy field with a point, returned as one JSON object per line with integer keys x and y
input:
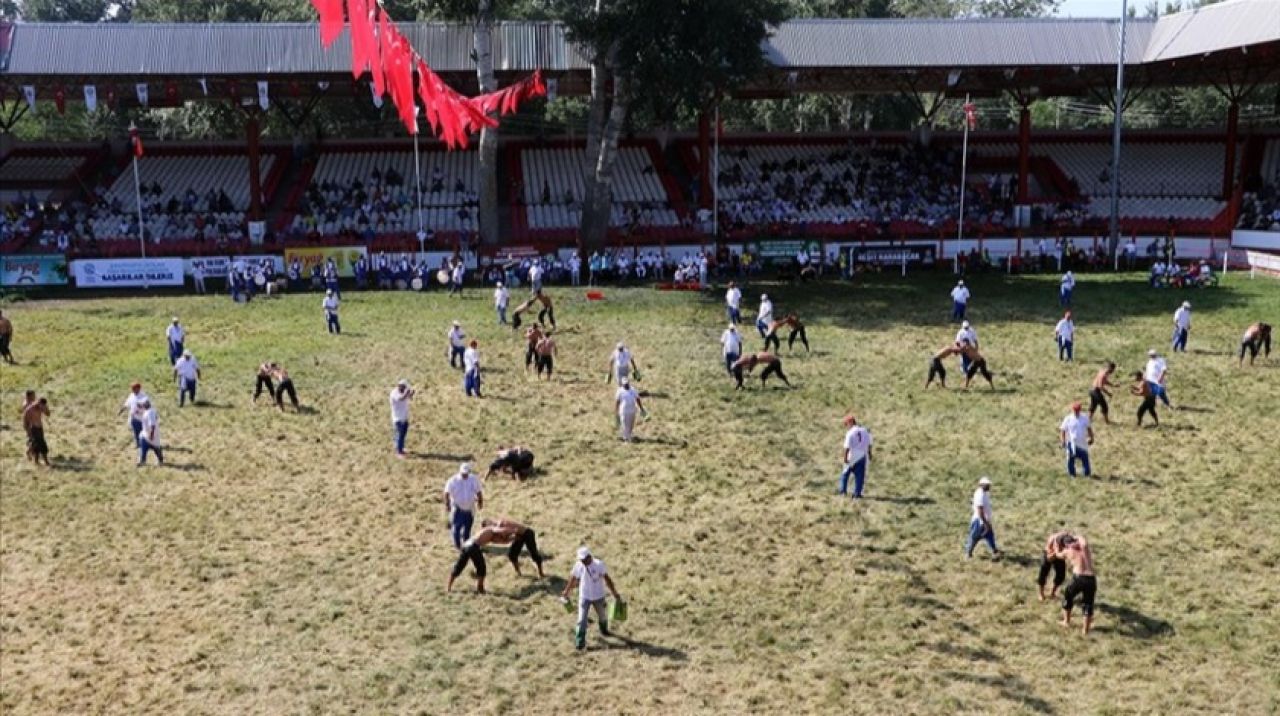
{"x": 289, "y": 564}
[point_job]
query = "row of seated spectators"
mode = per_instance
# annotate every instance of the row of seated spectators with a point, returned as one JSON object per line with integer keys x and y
{"x": 876, "y": 185}
{"x": 382, "y": 204}
{"x": 1260, "y": 209}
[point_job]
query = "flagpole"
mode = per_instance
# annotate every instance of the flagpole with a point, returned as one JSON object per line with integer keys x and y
{"x": 417, "y": 175}
{"x": 964, "y": 171}
{"x": 715, "y": 179}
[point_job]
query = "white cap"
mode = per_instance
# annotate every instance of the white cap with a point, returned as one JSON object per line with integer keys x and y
{"x": 465, "y": 468}
{"x": 961, "y": 282}
{"x": 404, "y": 383}
{"x": 1151, "y": 353}
{"x": 175, "y": 319}
{"x": 984, "y": 482}
{"x": 583, "y": 553}
{"x": 328, "y": 292}
{"x": 1186, "y": 304}
{"x": 626, "y": 382}
{"x": 733, "y": 327}
{"x": 964, "y": 325}
{"x": 764, "y": 297}
{"x": 187, "y": 353}
{"x": 499, "y": 284}
{"x": 455, "y": 323}
{"x": 621, "y": 345}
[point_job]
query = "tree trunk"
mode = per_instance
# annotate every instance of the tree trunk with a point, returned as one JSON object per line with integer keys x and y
{"x": 595, "y": 218}
{"x": 600, "y": 70}
{"x": 488, "y": 149}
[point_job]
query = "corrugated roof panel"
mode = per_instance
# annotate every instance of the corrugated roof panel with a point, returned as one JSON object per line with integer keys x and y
{"x": 1213, "y": 28}
{"x": 289, "y": 48}
{"x": 953, "y": 43}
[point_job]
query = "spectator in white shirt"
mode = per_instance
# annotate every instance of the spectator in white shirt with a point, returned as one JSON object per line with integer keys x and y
{"x": 591, "y": 577}
{"x": 981, "y": 525}
{"x": 764, "y": 316}
{"x": 1065, "y": 334}
{"x": 456, "y": 278}
{"x": 330, "y": 305}
{"x": 535, "y": 276}
{"x": 1067, "y": 287}
{"x": 856, "y": 455}
{"x": 187, "y": 371}
{"x": 1181, "y": 327}
{"x": 501, "y": 299}
{"x": 400, "y": 397}
{"x": 731, "y": 342}
{"x": 457, "y": 345}
{"x": 627, "y": 402}
{"x": 197, "y": 277}
{"x": 149, "y": 436}
{"x": 133, "y": 407}
{"x": 176, "y": 336}
{"x": 471, "y": 370}
{"x": 463, "y": 495}
{"x": 959, "y": 301}
{"x": 1076, "y": 435}
{"x": 732, "y": 303}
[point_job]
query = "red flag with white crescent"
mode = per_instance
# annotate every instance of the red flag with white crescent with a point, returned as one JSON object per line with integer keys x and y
{"x": 135, "y": 141}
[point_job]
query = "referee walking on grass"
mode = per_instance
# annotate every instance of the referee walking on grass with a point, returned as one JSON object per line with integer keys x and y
{"x": 463, "y": 495}
{"x": 591, "y": 577}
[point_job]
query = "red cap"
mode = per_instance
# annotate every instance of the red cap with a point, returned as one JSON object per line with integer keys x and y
{"x": 1075, "y": 407}
{"x": 850, "y": 421}
{"x": 136, "y": 386}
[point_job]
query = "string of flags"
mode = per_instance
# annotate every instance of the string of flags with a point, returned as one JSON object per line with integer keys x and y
{"x": 378, "y": 47}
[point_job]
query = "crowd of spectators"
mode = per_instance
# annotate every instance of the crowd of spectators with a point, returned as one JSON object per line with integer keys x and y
{"x": 381, "y": 204}
{"x": 1260, "y": 209}
{"x": 873, "y": 185}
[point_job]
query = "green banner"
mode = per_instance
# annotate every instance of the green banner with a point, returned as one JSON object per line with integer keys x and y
{"x": 781, "y": 252}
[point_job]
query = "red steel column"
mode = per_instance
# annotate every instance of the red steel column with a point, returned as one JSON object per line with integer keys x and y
{"x": 704, "y": 161}
{"x": 1229, "y": 165}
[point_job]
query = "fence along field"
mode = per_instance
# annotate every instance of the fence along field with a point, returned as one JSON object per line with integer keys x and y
{"x": 288, "y": 564}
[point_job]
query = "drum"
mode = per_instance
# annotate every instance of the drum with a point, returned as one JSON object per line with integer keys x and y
{"x": 416, "y": 283}
{"x": 259, "y": 280}
{"x": 442, "y": 276}
{"x": 401, "y": 284}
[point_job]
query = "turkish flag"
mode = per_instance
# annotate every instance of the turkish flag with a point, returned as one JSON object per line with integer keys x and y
{"x": 362, "y": 48}
{"x": 971, "y": 115}
{"x": 331, "y": 20}
{"x": 135, "y": 141}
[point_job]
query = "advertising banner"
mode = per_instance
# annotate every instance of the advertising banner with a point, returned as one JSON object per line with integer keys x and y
{"x": 19, "y": 271}
{"x": 220, "y": 266}
{"x": 780, "y": 252}
{"x": 213, "y": 266}
{"x": 1264, "y": 240}
{"x": 913, "y": 254}
{"x": 113, "y": 273}
{"x": 344, "y": 256}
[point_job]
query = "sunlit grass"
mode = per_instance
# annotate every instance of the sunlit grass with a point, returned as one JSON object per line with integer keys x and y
{"x": 289, "y": 564}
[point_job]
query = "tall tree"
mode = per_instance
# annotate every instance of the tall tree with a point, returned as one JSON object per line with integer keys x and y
{"x": 681, "y": 53}
{"x": 59, "y": 10}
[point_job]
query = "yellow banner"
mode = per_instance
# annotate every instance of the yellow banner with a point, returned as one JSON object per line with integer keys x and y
{"x": 345, "y": 257}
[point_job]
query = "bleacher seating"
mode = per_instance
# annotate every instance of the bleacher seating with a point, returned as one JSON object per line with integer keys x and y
{"x": 374, "y": 191}
{"x": 1182, "y": 169}
{"x": 554, "y": 189}
{"x": 844, "y": 183}
{"x": 39, "y": 169}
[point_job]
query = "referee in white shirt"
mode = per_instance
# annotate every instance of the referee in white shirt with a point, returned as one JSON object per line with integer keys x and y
{"x": 187, "y": 371}
{"x": 1076, "y": 435}
{"x": 591, "y": 577}
{"x": 463, "y": 495}
{"x": 731, "y": 341}
{"x": 176, "y": 335}
{"x": 856, "y": 454}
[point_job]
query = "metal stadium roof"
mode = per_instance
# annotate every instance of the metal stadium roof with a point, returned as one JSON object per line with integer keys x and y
{"x": 1047, "y": 55}
{"x": 954, "y": 43}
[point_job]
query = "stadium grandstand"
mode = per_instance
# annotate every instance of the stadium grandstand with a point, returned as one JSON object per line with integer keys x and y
{"x": 852, "y": 186}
